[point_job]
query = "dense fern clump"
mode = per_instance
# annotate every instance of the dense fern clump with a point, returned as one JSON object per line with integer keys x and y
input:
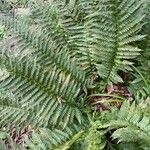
{"x": 62, "y": 77}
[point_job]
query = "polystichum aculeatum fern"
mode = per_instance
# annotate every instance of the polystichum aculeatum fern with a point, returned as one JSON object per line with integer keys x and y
{"x": 67, "y": 54}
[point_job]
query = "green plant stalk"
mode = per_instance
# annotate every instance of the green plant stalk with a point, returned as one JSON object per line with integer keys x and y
{"x": 108, "y": 101}
{"x": 144, "y": 80}
{"x": 107, "y": 95}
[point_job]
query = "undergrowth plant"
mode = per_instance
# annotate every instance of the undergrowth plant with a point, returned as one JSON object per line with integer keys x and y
{"x": 2, "y": 32}
{"x": 78, "y": 80}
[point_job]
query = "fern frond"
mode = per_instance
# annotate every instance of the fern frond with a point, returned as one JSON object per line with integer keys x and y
{"x": 62, "y": 23}
{"x": 11, "y": 113}
{"x": 65, "y": 23}
{"x": 45, "y": 138}
{"x": 132, "y": 125}
{"x": 56, "y": 67}
{"x": 45, "y": 50}
{"x": 95, "y": 139}
{"x": 67, "y": 145}
{"x": 49, "y": 90}
{"x": 113, "y": 28}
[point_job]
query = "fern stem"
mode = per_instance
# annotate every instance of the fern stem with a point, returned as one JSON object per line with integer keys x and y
{"x": 107, "y": 101}
{"x": 108, "y": 95}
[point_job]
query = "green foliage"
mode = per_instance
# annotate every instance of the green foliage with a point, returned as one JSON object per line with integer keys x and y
{"x": 95, "y": 139}
{"x": 68, "y": 53}
{"x": 50, "y": 139}
{"x": 113, "y": 29}
{"x": 2, "y": 32}
{"x": 4, "y": 5}
{"x": 132, "y": 126}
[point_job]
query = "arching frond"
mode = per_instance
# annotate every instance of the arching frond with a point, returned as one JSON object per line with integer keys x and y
{"x": 132, "y": 125}
{"x": 57, "y": 139}
{"x": 47, "y": 52}
{"x": 65, "y": 23}
{"x": 112, "y": 29}
{"x": 50, "y": 90}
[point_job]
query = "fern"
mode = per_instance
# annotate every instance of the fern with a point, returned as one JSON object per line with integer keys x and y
{"x": 134, "y": 128}
{"x": 95, "y": 139}
{"x": 64, "y": 53}
{"x": 113, "y": 28}
{"x": 50, "y": 139}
